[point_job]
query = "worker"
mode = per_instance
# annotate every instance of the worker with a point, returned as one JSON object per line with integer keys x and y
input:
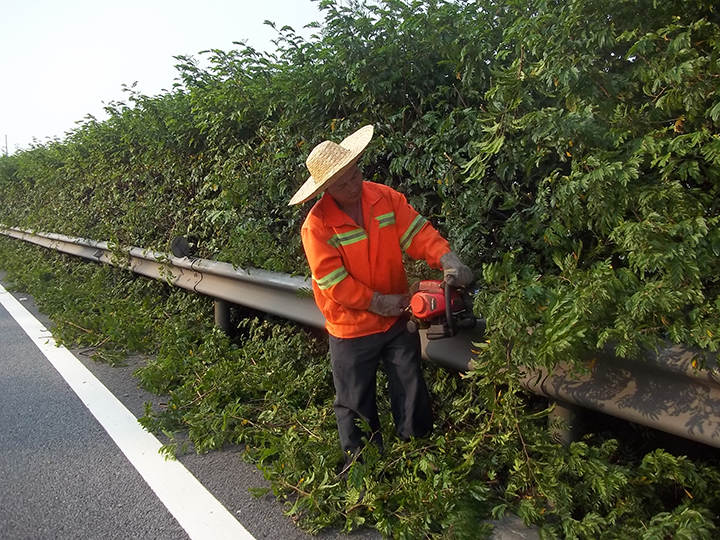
{"x": 354, "y": 238}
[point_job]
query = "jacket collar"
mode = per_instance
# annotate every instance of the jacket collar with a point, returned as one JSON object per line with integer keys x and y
{"x": 334, "y": 217}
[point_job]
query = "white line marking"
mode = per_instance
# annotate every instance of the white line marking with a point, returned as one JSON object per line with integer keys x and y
{"x": 201, "y": 515}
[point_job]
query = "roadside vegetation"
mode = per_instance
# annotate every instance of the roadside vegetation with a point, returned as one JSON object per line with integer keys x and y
{"x": 570, "y": 151}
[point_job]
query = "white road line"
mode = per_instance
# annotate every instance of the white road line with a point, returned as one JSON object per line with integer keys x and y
{"x": 201, "y": 515}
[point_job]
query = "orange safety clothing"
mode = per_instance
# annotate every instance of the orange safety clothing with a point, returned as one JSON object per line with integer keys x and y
{"x": 350, "y": 263}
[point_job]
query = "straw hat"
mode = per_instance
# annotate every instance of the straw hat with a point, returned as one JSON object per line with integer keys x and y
{"x": 328, "y": 161}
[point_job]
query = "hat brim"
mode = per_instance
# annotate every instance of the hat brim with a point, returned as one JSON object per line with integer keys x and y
{"x": 356, "y": 143}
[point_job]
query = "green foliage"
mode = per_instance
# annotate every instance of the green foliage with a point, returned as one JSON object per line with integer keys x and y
{"x": 103, "y": 309}
{"x": 569, "y": 150}
{"x": 599, "y": 155}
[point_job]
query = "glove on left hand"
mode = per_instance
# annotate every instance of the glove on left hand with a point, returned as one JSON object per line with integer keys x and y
{"x": 389, "y": 305}
{"x": 456, "y": 274}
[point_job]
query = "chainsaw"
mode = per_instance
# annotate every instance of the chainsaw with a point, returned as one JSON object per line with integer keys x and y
{"x": 440, "y": 309}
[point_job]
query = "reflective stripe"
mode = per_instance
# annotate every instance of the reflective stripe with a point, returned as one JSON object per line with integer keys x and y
{"x": 333, "y": 278}
{"x": 412, "y": 230}
{"x": 345, "y": 239}
{"x": 386, "y": 219}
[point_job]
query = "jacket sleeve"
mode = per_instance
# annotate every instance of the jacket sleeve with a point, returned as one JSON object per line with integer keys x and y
{"x": 329, "y": 273}
{"x": 418, "y": 238}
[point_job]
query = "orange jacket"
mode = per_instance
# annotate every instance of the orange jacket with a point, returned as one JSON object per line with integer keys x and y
{"x": 349, "y": 263}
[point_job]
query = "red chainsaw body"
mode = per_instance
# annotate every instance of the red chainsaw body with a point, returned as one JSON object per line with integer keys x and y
{"x": 431, "y": 312}
{"x": 429, "y": 301}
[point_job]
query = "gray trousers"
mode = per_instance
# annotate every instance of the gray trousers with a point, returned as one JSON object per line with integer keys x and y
{"x": 354, "y": 365}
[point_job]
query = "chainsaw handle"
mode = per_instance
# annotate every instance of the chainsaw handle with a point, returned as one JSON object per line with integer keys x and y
{"x": 448, "y": 310}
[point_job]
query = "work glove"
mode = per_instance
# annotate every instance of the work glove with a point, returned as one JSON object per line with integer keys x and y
{"x": 456, "y": 273}
{"x": 389, "y": 305}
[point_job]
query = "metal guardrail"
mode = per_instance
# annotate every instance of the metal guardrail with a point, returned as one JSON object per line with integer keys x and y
{"x": 665, "y": 391}
{"x": 279, "y": 294}
{"x": 284, "y": 295}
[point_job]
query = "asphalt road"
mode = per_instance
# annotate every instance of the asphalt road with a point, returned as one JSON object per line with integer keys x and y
{"x": 64, "y": 476}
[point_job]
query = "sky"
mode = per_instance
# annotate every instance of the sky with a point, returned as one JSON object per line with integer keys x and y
{"x": 62, "y": 60}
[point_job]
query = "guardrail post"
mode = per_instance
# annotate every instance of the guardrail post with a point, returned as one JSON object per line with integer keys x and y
{"x": 222, "y": 315}
{"x": 563, "y": 423}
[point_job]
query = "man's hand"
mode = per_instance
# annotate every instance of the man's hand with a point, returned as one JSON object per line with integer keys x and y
{"x": 456, "y": 273}
{"x": 389, "y": 305}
